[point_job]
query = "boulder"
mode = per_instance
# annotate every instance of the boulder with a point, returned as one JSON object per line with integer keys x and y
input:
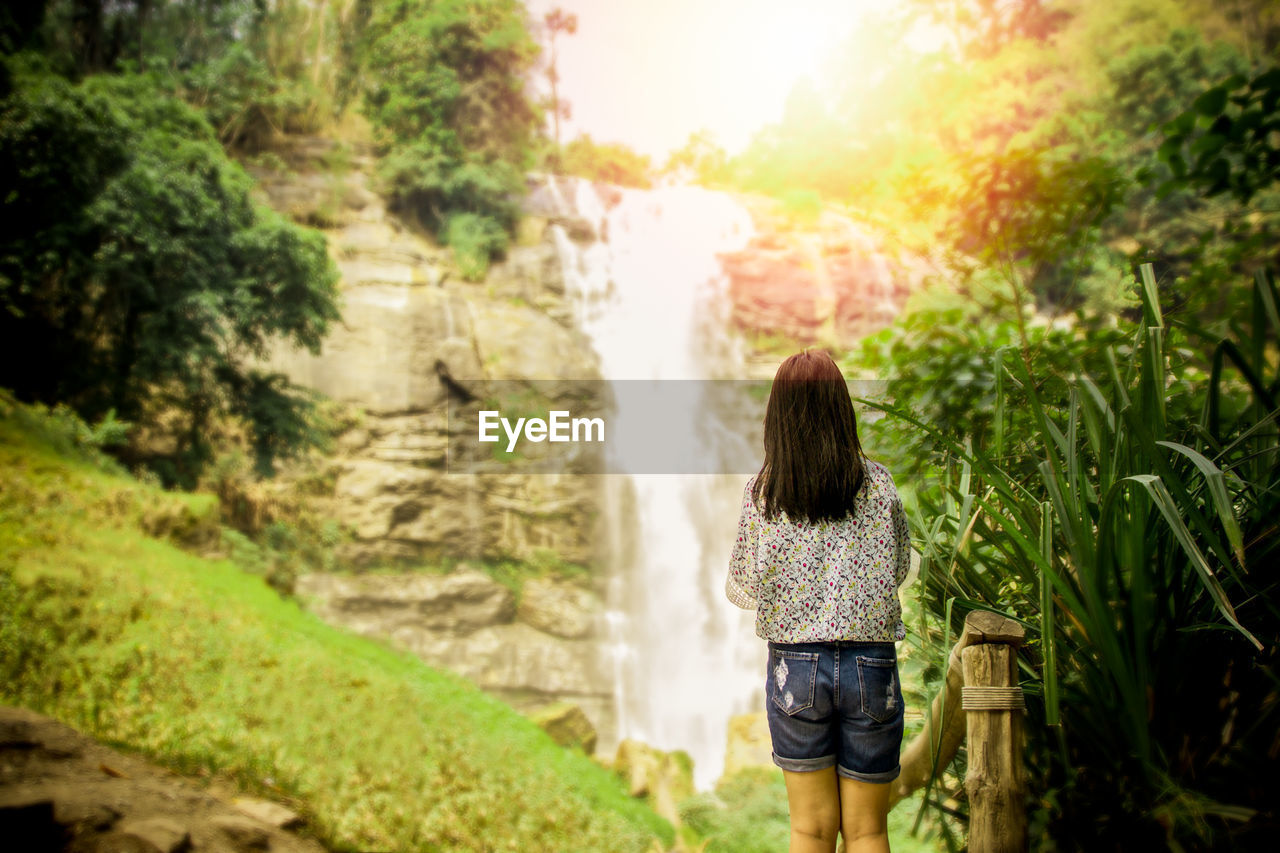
{"x": 404, "y": 321}
{"x": 532, "y": 275}
{"x": 268, "y": 812}
{"x": 60, "y": 790}
{"x": 567, "y": 724}
{"x": 749, "y": 744}
{"x": 243, "y": 832}
{"x": 663, "y": 778}
{"x": 164, "y": 834}
{"x": 831, "y": 283}
{"x": 27, "y": 821}
{"x": 114, "y": 842}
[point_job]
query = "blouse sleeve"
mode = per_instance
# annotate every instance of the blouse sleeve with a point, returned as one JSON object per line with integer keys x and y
{"x": 741, "y": 584}
{"x": 901, "y": 542}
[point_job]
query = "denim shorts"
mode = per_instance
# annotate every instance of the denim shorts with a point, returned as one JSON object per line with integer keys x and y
{"x": 836, "y": 704}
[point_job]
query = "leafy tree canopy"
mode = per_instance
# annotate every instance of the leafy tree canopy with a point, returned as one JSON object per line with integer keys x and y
{"x": 445, "y": 90}
{"x": 611, "y": 162}
{"x": 136, "y": 272}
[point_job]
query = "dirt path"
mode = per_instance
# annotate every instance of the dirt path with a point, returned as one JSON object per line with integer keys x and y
{"x": 63, "y": 791}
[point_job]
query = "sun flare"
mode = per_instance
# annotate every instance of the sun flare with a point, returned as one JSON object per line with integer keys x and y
{"x": 651, "y": 72}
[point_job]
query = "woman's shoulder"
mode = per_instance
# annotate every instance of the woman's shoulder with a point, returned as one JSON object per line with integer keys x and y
{"x": 878, "y": 476}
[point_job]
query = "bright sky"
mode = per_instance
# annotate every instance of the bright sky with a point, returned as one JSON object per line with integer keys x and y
{"x": 650, "y": 72}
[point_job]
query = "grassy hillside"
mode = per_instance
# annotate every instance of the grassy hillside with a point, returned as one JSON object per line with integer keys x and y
{"x": 203, "y": 667}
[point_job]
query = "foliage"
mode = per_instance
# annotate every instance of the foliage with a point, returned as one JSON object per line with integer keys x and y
{"x": 747, "y": 813}
{"x": 1202, "y": 247}
{"x": 135, "y": 270}
{"x": 202, "y": 667}
{"x": 1026, "y": 212}
{"x": 254, "y": 68}
{"x": 244, "y": 101}
{"x": 1221, "y": 152}
{"x": 943, "y": 362}
{"x": 91, "y": 36}
{"x": 475, "y": 239}
{"x": 610, "y": 162}
{"x": 270, "y": 531}
{"x": 699, "y": 160}
{"x": 444, "y": 88}
{"x": 1124, "y": 518}
{"x": 66, "y": 433}
{"x": 1030, "y": 144}
{"x": 1223, "y": 143}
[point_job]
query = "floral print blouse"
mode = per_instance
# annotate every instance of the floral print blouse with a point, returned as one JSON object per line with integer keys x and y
{"x": 826, "y": 580}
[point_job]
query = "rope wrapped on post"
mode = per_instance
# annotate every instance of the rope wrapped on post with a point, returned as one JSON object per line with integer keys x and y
{"x": 975, "y": 697}
{"x": 931, "y": 751}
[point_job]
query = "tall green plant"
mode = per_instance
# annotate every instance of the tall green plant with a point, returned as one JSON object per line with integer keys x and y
{"x": 1138, "y": 549}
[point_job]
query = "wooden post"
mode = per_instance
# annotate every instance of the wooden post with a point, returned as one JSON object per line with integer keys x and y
{"x": 932, "y": 749}
{"x": 995, "y": 779}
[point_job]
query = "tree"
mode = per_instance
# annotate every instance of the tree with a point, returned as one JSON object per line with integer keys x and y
{"x": 137, "y": 274}
{"x": 557, "y": 22}
{"x": 611, "y": 162}
{"x": 446, "y": 94}
{"x": 983, "y": 27}
{"x": 700, "y": 159}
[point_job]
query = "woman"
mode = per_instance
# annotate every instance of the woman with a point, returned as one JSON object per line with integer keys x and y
{"x": 821, "y": 551}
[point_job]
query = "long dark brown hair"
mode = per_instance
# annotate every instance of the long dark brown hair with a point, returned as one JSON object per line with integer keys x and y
{"x": 813, "y": 463}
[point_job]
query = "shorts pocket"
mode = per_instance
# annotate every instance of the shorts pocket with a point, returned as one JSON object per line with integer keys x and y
{"x": 878, "y": 685}
{"x": 792, "y": 676}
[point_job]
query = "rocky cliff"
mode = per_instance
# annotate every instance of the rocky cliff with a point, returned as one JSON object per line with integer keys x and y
{"x": 408, "y": 320}
{"x": 829, "y": 283}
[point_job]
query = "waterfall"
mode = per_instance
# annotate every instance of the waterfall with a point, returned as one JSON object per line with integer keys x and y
{"x": 651, "y": 297}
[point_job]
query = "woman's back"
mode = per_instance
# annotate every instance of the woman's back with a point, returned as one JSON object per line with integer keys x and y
{"x": 824, "y": 580}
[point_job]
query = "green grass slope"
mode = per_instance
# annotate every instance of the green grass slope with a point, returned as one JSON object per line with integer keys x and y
{"x": 204, "y": 668}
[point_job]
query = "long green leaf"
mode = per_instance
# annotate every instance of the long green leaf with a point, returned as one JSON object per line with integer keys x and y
{"x": 1164, "y": 502}
{"x": 1217, "y": 483}
{"x": 1172, "y": 483}
{"x": 1267, "y": 296}
{"x": 999, "y": 414}
{"x": 1048, "y": 631}
{"x": 1151, "y": 315}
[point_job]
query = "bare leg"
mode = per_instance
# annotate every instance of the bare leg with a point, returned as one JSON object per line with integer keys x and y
{"x": 864, "y": 816}
{"x": 814, "y": 801}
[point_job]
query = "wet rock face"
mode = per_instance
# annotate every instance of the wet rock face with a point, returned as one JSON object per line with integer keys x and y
{"x": 829, "y": 284}
{"x": 459, "y": 602}
{"x": 408, "y": 323}
{"x": 60, "y": 790}
{"x": 559, "y": 608}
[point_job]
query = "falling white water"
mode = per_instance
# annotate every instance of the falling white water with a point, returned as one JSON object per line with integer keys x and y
{"x": 651, "y": 296}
